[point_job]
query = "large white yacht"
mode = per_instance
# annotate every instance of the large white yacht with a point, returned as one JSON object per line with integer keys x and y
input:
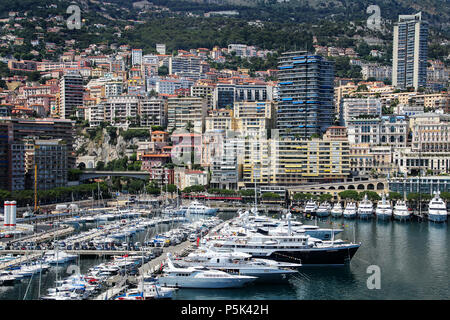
{"x": 437, "y": 209}
{"x": 324, "y": 209}
{"x": 310, "y": 207}
{"x": 270, "y": 226}
{"x": 365, "y": 208}
{"x": 384, "y": 209}
{"x": 337, "y": 210}
{"x": 294, "y": 248}
{"x": 240, "y": 263}
{"x": 200, "y": 277}
{"x": 401, "y": 211}
{"x": 350, "y": 210}
{"x": 196, "y": 207}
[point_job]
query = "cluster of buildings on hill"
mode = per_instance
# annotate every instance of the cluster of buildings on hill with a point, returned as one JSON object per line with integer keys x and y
{"x": 226, "y": 128}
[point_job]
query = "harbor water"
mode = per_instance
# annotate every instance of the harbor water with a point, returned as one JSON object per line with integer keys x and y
{"x": 413, "y": 260}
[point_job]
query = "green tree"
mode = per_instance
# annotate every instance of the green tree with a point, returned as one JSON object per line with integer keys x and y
{"x": 270, "y": 196}
{"x": 325, "y": 197}
{"x": 100, "y": 166}
{"x": 74, "y": 174}
{"x": 445, "y": 195}
{"x": 349, "y": 195}
{"x": 371, "y": 195}
{"x": 395, "y": 196}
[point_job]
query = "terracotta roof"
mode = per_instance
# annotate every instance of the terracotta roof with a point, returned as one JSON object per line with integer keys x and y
{"x": 156, "y": 155}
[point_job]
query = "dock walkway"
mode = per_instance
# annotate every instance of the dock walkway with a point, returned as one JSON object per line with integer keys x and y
{"x": 46, "y": 235}
{"x": 19, "y": 260}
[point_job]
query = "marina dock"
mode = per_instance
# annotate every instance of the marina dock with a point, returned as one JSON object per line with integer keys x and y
{"x": 78, "y": 252}
{"x": 150, "y": 267}
{"x": 20, "y": 260}
{"x": 119, "y": 282}
{"x": 46, "y": 235}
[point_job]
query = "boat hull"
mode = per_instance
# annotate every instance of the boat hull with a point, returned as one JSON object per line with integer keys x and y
{"x": 336, "y": 214}
{"x": 384, "y": 216}
{"x": 402, "y": 217}
{"x": 364, "y": 215}
{"x": 437, "y": 217}
{"x": 322, "y": 214}
{"x": 311, "y": 257}
{"x": 199, "y": 283}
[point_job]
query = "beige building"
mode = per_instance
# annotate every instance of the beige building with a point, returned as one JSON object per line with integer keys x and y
{"x": 288, "y": 162}
{"x": 430, "y": 132}
{"x": 184, "y": 178}
{"x": 184, "y": 110}
{"x": 366, "y": 159}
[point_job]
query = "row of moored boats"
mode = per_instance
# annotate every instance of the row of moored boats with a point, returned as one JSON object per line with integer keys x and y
{"x": 437, "y": 209}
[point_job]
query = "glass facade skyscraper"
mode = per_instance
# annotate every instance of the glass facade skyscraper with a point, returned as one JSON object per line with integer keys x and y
{"x": 306, "y": 93}
{"x": 410, "y": 51}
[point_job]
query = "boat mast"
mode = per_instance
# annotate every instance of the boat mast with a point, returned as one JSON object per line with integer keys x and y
{"x": 254, "y": 180}
{"x": 35, "y": 187}
{"x": 420, "y": 173}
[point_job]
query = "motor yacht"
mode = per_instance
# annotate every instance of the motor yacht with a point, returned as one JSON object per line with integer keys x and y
{"x": 350, "y": 210}
{"x": 240, "y": 263}
{"x": 365, "y": 208}
{"x": 384, "y": 209}
{"x": 200, "y": 277}
{"x": 324, "y": 209}
{"x": 437, "y": 209}
{"x": 310, "y": 207}
{"x": 337, "y": 210}
{"x": 401, "y": 211}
